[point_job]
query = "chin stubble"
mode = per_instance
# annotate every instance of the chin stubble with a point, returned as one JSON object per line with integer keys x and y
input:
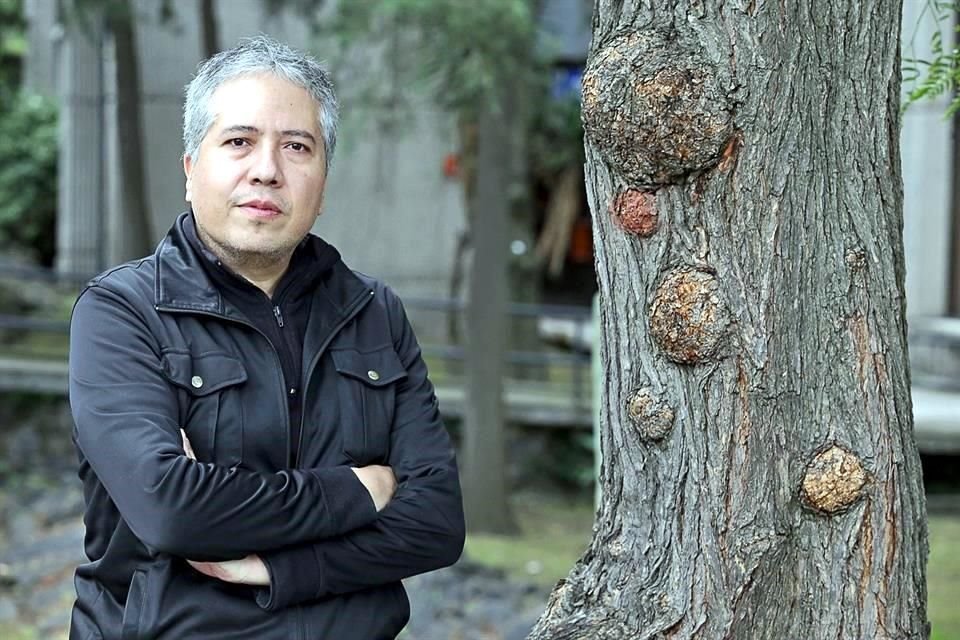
{"x": 239, "y": 259}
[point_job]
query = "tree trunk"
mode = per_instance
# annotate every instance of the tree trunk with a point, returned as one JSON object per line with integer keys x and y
{"x": 484, "y": 429}
{"x": 133, "y": 236}
{"x": 760, "y": 478}
{"x": 211, "y": 35}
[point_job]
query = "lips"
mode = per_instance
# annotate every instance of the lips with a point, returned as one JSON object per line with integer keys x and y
{"x": 263, "y": 205}
{"x": 261, "y": 208}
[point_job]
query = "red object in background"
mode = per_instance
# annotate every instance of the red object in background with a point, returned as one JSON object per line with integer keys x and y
{"x": 451, "y": 165}
{"x": 581, "y": 242}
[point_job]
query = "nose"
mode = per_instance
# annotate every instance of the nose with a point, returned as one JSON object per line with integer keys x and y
{"x": 265, "y": 169}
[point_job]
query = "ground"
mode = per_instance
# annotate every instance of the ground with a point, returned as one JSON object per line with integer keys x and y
{"x": 495, "y": 593}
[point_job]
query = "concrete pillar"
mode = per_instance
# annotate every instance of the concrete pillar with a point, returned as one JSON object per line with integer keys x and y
{"x": 44, "y": 35}
{"x": 81, "y": 198}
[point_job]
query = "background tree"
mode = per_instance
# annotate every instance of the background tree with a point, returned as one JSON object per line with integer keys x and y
{"x": 133, "y": 237}
{"x": 130, "y": 233}
{"x": 477, "y": 61}
{"x": 760, "y": 478}
{"x": 210, "y": 28}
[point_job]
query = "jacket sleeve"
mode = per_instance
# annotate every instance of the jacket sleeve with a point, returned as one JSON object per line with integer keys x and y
{"x": 420, "y": 530}
{"x": 126, "y": 426}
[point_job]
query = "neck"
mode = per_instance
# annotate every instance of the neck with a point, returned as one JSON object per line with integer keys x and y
{"x": 262, "y": 270}
{"x": 255, "y": 268}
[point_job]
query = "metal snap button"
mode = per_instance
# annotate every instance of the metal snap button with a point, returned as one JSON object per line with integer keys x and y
{"x": 373, "y": 375}
{"x": 196, "y": 381}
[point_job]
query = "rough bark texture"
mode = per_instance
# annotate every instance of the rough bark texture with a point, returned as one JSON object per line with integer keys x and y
{"x": 760, "y": 478}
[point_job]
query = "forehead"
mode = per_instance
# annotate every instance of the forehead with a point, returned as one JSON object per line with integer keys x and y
{"x": 264, "y": 101}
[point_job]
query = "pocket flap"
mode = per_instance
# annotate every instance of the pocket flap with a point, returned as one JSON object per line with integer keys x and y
{"x": 376, "y": 368}
{"x": 205, "y": 373}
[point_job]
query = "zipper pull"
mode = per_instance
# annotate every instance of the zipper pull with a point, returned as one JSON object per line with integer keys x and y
{"x": 278, "y": 316}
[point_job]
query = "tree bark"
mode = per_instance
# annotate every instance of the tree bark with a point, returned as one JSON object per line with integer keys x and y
{"x": 760, "y": 478}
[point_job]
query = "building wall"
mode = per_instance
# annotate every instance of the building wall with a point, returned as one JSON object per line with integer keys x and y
{"x": 925, "y": 149}
{"x": 388, "y": 207}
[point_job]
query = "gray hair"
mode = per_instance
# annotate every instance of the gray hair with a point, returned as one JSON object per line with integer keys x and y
{"x": 257, "y": 55}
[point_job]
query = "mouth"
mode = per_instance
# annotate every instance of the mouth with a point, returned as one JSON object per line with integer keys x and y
{"x": 261, "y": 208}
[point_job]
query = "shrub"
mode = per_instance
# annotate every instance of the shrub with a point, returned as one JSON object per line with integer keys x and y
{"x": 28, "y": 175}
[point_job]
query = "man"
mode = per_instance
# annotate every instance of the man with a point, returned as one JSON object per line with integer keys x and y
{"x": 260, "y": 447}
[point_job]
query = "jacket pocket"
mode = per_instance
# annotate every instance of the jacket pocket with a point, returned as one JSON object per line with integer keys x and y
{"x": 134, "y": 607}
{"x": 366, "y": 390}
{"x": 210, "y": 403}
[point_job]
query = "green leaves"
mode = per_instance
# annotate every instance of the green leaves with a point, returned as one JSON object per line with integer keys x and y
{"x": 938, "y": 75}
{"x": 28, "y": 149}
{"x": 459, "y": 52}
{"x": 28, "y": 174}
{"x": 13, "y": 42}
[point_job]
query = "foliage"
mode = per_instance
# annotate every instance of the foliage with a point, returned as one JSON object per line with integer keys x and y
{"x": 84, "y": 12}
{"x": 28, "y": 149}
{"x": 28, "y": 174}
{"x": 568, "y": 461}
{"x": 13, "y": 43}
{"x": 556, "y": 139}
{"x": 940, "y": 73}
{"x": 460, "y": 52}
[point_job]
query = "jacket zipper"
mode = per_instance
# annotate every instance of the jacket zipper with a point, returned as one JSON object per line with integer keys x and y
{"x": 305, "y": 386}
{"x": 278, "y": 315}
{"x": 354, "y": 310}
{"x": 283, "y": 383}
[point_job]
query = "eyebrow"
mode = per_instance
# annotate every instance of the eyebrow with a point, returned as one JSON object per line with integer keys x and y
{"x": 294, "y": 133}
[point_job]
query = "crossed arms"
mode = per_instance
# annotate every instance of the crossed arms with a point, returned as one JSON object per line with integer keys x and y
{"x": 318, "y": 531}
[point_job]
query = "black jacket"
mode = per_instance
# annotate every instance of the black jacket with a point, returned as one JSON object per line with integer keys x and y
{"x": 156, "y": 347}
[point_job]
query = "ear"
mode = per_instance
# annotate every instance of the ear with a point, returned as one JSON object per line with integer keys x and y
{"x": 188, "y": 174}
{"x": 323, "y": 199}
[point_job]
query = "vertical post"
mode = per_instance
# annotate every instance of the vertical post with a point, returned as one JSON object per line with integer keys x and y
{"x": 81, "y": 195}
{"x": 484, "y": 422}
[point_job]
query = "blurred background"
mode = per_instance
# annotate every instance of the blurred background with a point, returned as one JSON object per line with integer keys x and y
{"x": 90, "y": 176}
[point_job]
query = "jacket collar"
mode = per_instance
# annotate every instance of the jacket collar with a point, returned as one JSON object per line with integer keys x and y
{"x": 182, "y": 283}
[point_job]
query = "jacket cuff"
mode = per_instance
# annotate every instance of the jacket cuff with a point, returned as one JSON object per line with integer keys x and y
{"x": 295, "y": 577}
{"x": 296, "y": 574}
{"x": 349, "y": 504}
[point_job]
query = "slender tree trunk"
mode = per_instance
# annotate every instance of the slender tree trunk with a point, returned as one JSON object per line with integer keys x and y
{"x": 760, "y": 478}
{"x": 211, "y": 36}
{"x": 484, "y": 429}
{"x": 133, "y": 237}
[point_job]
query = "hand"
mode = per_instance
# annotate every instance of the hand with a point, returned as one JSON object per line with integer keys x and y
{"x": 379, "y": 481}
{"x": 187, "y": 449}
{"x": 250, "y": 570}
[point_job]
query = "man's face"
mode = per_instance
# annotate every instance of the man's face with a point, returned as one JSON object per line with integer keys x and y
{"x": 256, "y": 185}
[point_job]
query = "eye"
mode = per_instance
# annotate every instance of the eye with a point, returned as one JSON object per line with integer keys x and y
{"x": 236, "y": 142}
{"x": 298, "y": 147}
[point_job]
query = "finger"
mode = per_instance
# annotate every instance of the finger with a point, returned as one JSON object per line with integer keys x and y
{"x": 187, "y": 448}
